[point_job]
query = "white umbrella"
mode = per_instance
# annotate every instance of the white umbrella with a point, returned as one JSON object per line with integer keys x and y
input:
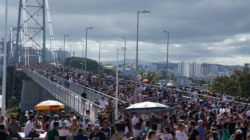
{"x": 147, "y": 108}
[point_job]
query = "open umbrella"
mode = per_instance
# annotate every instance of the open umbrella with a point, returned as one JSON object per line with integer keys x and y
{"x": 49, "y": 104}
{"x": 147, "y": 108}
{"x": 145, "y": 80}
{"x": 110, "y": 76}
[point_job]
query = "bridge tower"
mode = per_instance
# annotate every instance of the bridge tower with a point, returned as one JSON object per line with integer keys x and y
{"x": 30, "y": 35}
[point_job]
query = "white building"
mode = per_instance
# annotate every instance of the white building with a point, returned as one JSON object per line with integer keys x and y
{"x": 214, "y": 69}
{"x": 189, "y": 69}
{"x": 60, "y": 54}
{"x": 181, "y": 68}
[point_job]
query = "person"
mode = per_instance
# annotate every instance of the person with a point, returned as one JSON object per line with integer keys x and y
{"x": 79, "y": 135}
{"x": 53, "y": 134}
{"x": 224, "y": 97}
{"x": 201, "y": 130}
{"x": 97, "y": 135}
{"x": 244, "y": 129}
{"x": 215, "y": 135}
{"x": 237, "y": 136}
{"x": 248, "y": 136}
{"x": 226, "y": 134}
{"x": 63, "y": 127}
{"x": 194, "y": 134}
{"x": 3, "y": 134}
{"x": 84, "y": 95}
{"x": 13, "y": 128}
{"x": 181, "y": 135}
{"x": 137, "y": 130}
{"x": 74, "y": 127}
{"x": 102, "y": 102}
{"x": 120, "y": 128}
{"x": 135, "y": 120}
{"x": 46, "y": 124}
{"x": 52, "y": 116}
{"x": 85, "y": 124}
{"x": 151, "y": 135}
{"x": 29, "y": 129}
{"x": 55, "y": 119}
{"x": 166, "y": 135}
{"x": 105, "y": 129}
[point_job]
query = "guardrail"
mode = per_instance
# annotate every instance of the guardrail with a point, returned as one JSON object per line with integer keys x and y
{"x": 202, "y": 97}
{"x": 67, "y": 97}
{"x": 91, "y": 93}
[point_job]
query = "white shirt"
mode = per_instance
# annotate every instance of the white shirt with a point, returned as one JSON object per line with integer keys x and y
{"x": 181, "y": 135}
{"x": 140, "y": 98}
{"x": 67, "y": 124}
{"x": 84, "y": 125}
{"x": 63, "y": 131}
{"x": 168, "y": 136}
{"x": 224, "y": 97}
{"x": 102, "y": 103}
{"x": 248, "y": 113}
{"x": 28, "y": 128}
{"x": 164, "y": 102}
{"x": 136, "y": 133}
{"x": 134, "y": 121}
{"x": 52, "y": 124}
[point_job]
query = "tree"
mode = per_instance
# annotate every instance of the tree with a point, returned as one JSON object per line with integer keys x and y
{"x": 108, "y": 71}
{"x": 236, "y": 84}
{"x": 77, "y": 63}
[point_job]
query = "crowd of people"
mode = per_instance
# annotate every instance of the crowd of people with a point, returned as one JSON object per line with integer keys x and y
{"x": 212, "y": 117}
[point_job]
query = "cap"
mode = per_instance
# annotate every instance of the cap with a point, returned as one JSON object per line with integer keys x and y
{"x": 56, "y": 117}
{"x": 96, "y": 126}
{"x": 248, "y": 134}
{"x": 105, "y": 121}
{"x": 13, "y": 117}
{"x": 238, "y": 132}
{"x": 86, "y": 119}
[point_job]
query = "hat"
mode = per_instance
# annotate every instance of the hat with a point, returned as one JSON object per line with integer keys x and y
{"x": 248, "y": 134}
{"x": 13, "y": 117}
{"x": 86, "y": 119}
{"x": 96, "y": 126}
{"x": 238, "y": 132}
{"x": 56, "y": 117}
{"x": 105, "y": 121}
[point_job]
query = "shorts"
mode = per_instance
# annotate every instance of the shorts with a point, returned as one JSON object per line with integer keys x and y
{"x": 16, "y": 136}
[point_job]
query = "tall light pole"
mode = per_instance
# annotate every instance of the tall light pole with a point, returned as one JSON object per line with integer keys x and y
{"x": 4, "y": 61}
{"x": 99, "y": 58}
{"x": 124, "y": 59}
{"x": 167, "y": 59}
{"x": 70, "y": 55}
{"x": 116, "y": 91}
{"x": 82, "y": 54}
{"x": 136, "y": 65}
{"x": 85, "y": 75}
{"x": 64, "y": 55}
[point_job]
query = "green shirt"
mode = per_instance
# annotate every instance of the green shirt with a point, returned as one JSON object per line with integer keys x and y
{"x": 52, "y": 133}
{"x": 225, "y": 131}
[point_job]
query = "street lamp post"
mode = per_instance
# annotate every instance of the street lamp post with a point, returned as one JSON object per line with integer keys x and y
{"x": 124, "y": 58}
{"x": 64, "y": 55}
{"x": 99, "y": 58}
{"x": 85, "y": 77}
{"x": 70, "y": 56}
{"x": 82, "y": 54}
{"x": 116, "y": 91}
{"x": 167, "y": 59}
{"x": 136, "y": 65}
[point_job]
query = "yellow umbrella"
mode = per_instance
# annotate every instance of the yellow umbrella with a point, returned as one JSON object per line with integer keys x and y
{"x": 49, "y": 104}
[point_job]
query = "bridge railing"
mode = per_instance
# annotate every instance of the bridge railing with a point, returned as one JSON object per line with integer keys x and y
{"x": 66, "y": 96}
{"x": 189, "y": 94}
{"x": 91, "y": 93}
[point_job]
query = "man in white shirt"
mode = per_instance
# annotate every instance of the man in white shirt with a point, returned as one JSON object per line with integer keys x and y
{"x": 29, "y": 127}
{"x": 181, "y": 134}
{"x": 63, "y": 128}
{"x": 55, "y": 119}
{"x": 85, "y": 124}
{"x": 195, "y": 93}
{"x": 248, "y": 111}
{"x": 224, "y": 97}
{"x": 140, "y": 97}
{"x": 135, "y": 120}
{"x": 102, "y": 102}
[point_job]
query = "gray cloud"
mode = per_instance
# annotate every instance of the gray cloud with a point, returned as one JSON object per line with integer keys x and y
{"x": 202, "y": 31}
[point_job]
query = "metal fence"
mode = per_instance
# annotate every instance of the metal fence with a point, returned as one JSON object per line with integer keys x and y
{"x": 67, "y": 97}
{"x": 200, "y": 96}
{"x": 91, "y": 93}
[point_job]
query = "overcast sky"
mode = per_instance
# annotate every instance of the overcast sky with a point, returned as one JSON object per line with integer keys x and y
{"x": 209, "y": 31}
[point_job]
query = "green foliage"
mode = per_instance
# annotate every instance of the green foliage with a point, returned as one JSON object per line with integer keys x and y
{"x": 150, "y": 76}
{"x": 76, "y": 62}
{"x": 108, "y": 71}
{"x": 201, "y": 82}
{"x": 236, "y": 84}
{"x": 13, "y": 102}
